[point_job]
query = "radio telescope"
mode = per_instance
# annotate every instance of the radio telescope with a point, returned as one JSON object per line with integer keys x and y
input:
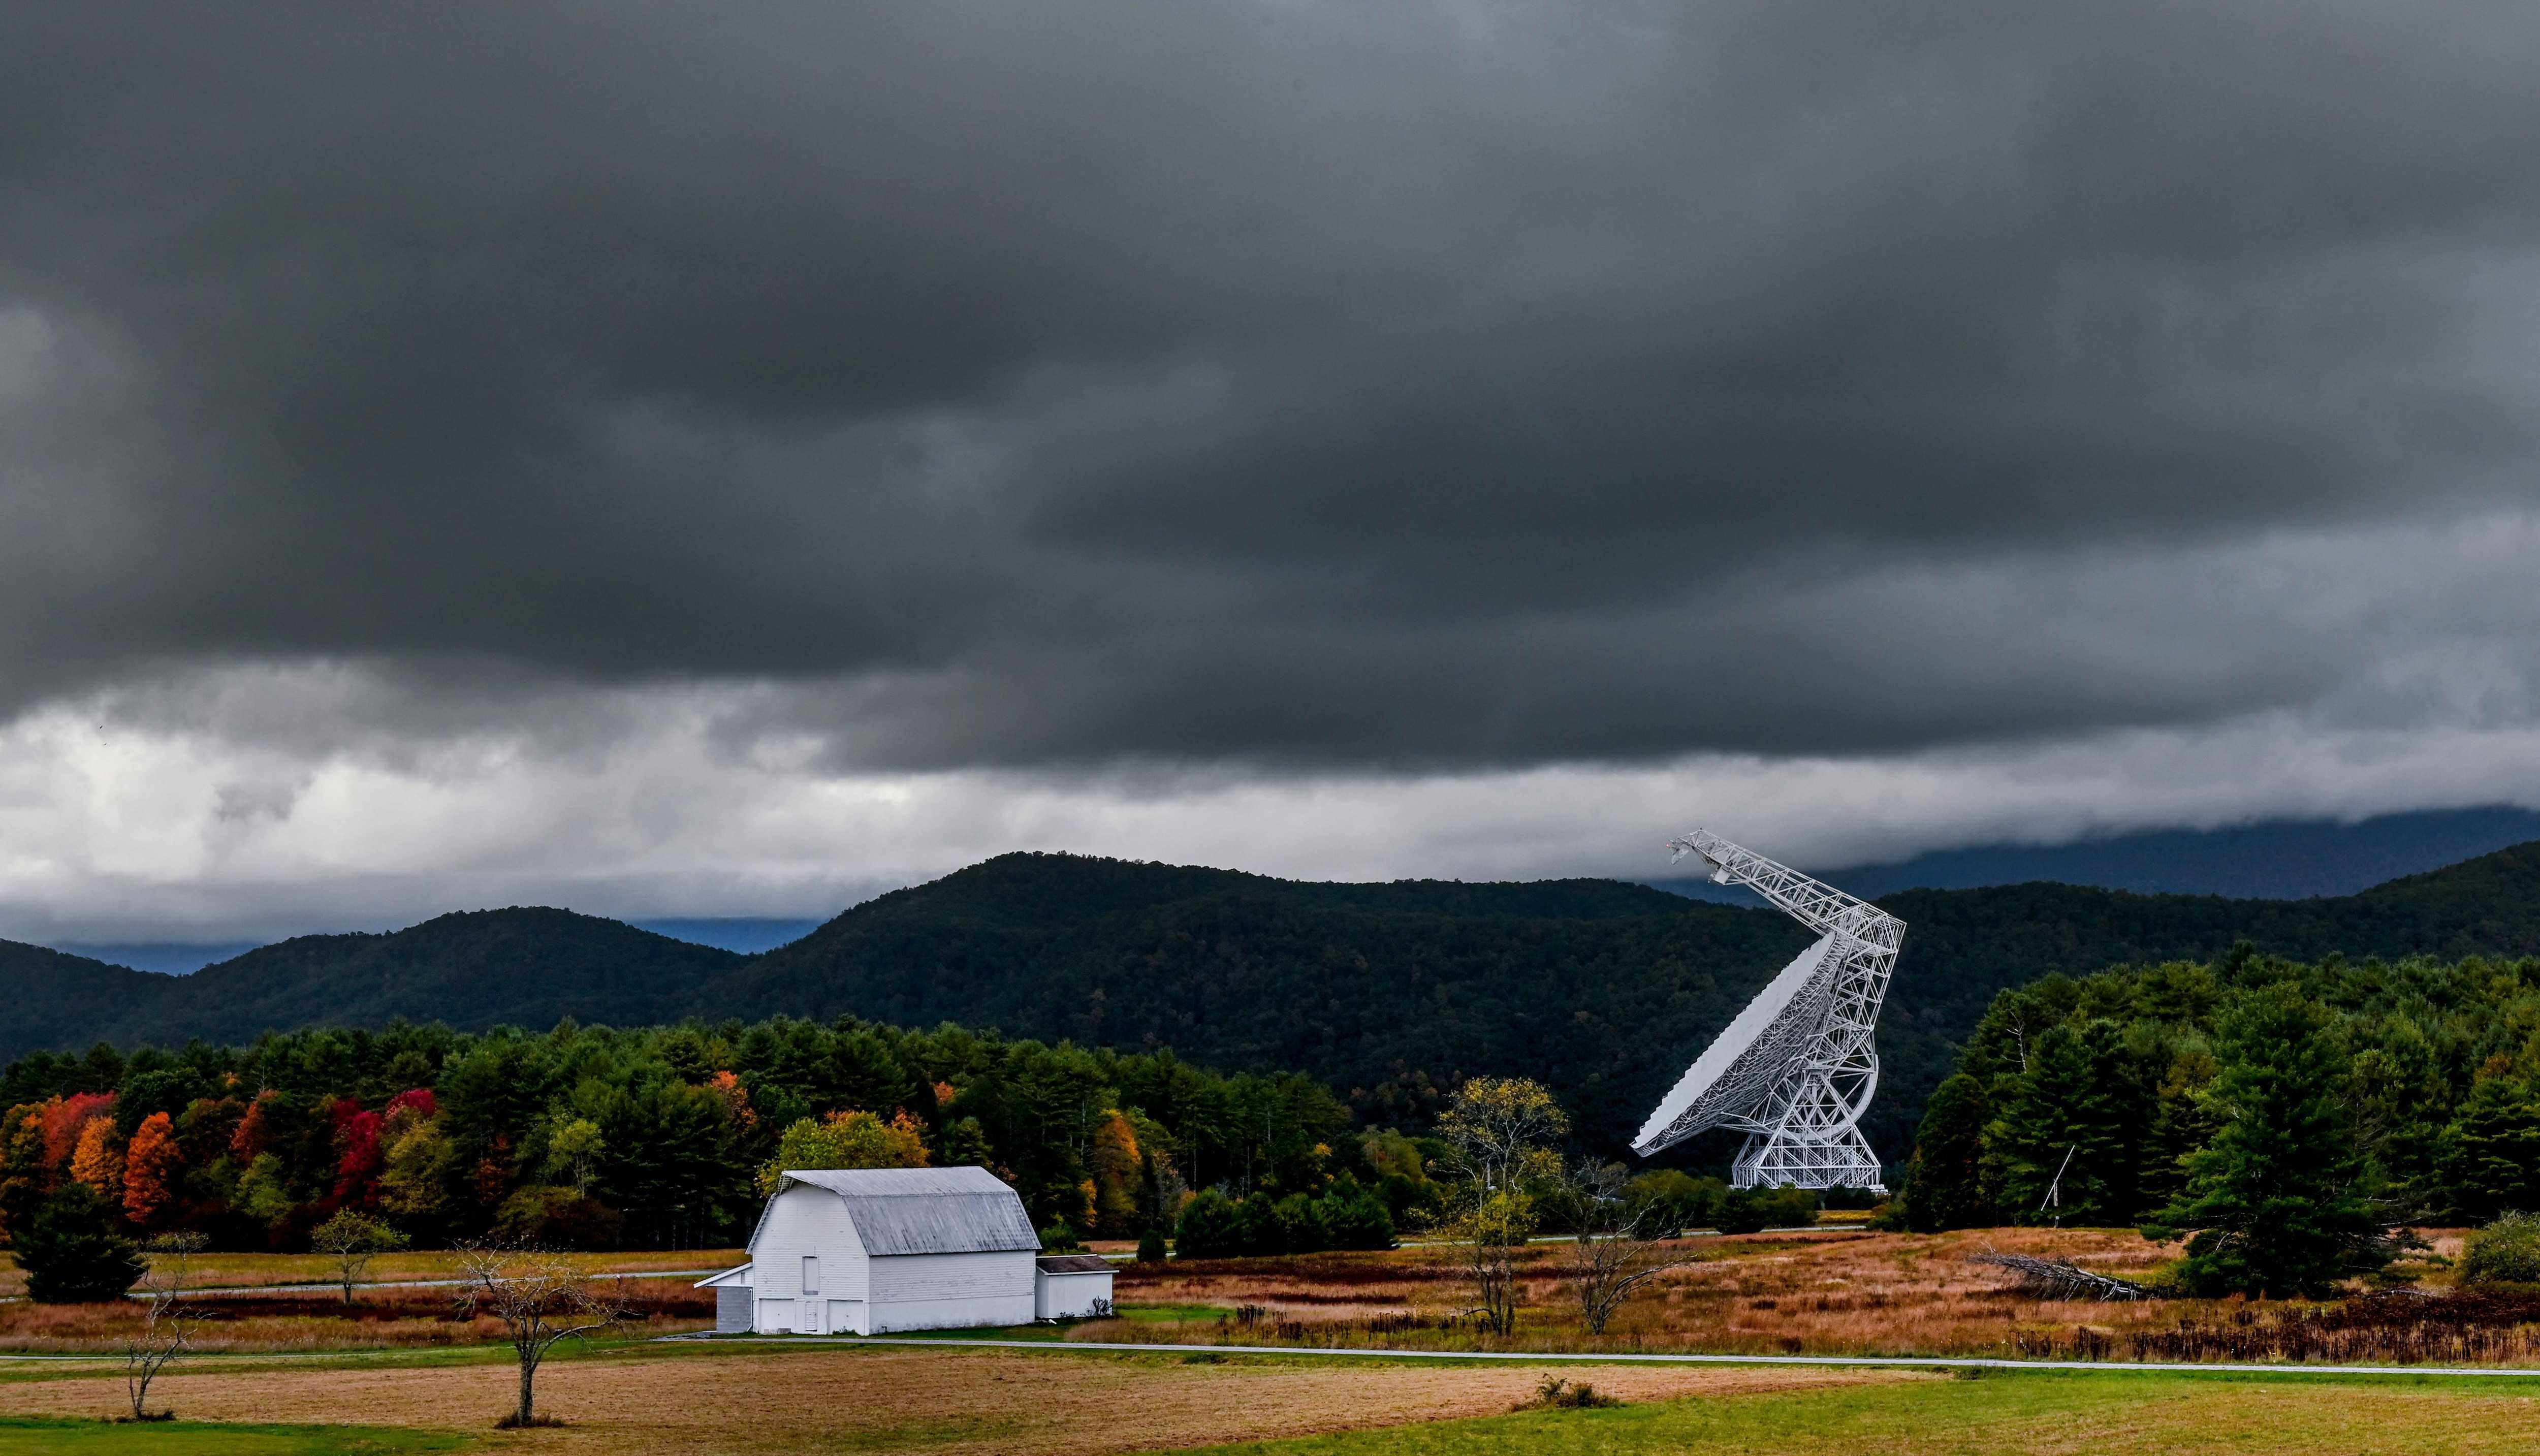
{"x": 1797, "y": 1068}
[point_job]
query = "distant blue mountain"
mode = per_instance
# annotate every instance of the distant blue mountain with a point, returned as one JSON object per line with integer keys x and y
{"x": 169, "y": 957}
{"x": 746, "y": 933}
{"x": 2278, "y": 859}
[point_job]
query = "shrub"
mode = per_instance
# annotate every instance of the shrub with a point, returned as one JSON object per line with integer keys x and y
{"x": 1060, "y": 1238}
{"x": 1208, "y": 1227}
{"x": 551, "y": 1218}
{"x": 2505, "y": 1252}
{"x": 1357, "y": 1218}
{"x": 1298, "y": 1221}
{"x": 1790, "y": 1207}
{"x": 1557, "y": 1394}
{"x": 74, "y": 1252}
{"x": 1151, "y": 1246}
{"x": 1740, "y": 1210}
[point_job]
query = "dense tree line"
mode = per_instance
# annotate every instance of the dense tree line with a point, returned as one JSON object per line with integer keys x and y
{"x": 657, "y": 1137}
{"x": 2310, "y": 1106}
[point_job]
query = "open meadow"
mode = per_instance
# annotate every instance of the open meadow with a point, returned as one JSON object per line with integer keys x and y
{"x": 753, "y": 1399}
{"x": 408, "y": 1302}
{"x": 1822, "y": 1291}
{"x": 282, "y": 1372}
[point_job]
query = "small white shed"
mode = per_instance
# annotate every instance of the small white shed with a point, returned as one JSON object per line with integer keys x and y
{"x": 1072, "y": 1287}
{"x": 872, "y": 1250}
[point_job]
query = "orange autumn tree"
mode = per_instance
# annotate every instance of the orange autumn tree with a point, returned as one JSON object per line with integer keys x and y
{"x": 99, "y": 1161}
{"x": 66, "y": 1118}
{"x": 151, "y": 1166}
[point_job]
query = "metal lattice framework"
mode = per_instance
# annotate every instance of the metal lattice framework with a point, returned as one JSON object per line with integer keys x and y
{"x": 1798, "y": 1068}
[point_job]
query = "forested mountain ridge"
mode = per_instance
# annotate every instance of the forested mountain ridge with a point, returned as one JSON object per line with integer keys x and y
{"x": 1388, "y": 992}
{"x": 471, "y": 969}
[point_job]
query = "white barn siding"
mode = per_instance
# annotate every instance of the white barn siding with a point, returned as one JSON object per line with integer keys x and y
{"x": 801, "y": 1222}
{"x": 942, "y": 1291}
{"x": 894, "y": 1249}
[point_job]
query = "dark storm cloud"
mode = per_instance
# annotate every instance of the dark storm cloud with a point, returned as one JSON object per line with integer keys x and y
{"x": 1405, "y": 385}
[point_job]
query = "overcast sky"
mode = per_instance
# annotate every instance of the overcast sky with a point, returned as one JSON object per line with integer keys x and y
{"x": 699, "y": 459}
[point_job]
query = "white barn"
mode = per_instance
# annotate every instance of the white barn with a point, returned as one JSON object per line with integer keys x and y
{"x": 868, "y": 1251}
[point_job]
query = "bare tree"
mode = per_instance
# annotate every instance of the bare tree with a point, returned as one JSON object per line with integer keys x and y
{"x": 542, "y": 1300}
{"x": 1620, "y": 1243}
{"x": 350, "y": 1241}
{"x": 167, "y": 1317}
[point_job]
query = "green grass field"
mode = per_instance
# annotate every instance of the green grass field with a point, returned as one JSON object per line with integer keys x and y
{"x": 26, "y": 1437}
{"x": 2016, "y": 1415}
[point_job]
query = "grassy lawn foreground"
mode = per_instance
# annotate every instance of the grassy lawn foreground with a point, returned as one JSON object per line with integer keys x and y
{"x": 24, "y": 1438}
{"x": 2018, "y": 1415}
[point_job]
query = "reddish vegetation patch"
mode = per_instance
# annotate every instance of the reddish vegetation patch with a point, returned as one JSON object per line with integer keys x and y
{"x": 408, "y": 1317}
{"x": 1825, "y": 1291}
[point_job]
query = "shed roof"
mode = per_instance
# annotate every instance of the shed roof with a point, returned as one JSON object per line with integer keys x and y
{"x": 1074, "y": 1264}
{"x": 925, "y": 1210}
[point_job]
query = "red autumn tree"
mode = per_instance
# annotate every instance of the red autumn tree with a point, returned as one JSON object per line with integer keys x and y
{"x": 357, "y": 1170}
{"x": 418, "y": 1100}
{"x": 254, "y": 1135}
{"x": 151, "y": 1168}
{"x": 66, "y": 1118}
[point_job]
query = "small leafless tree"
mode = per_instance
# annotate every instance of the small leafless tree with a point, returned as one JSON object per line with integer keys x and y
{"x": 1619, "y": 1248}
{"x": 350, "y": 1241}
{"x": 167, "y": 1317}
{"x": 542, "y": 1300}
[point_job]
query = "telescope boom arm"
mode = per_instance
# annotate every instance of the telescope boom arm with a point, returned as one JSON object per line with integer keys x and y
{"x": 1811, "y": 902}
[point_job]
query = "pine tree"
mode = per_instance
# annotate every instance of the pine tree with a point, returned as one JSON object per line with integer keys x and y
{"x": 74, "y": 1252}
{"x": 2182, "y": 1122}
{"x": 1946, "y": 1181}
{"x": 2272, "y": 1200}
{"x": 2065, "y": 1143}
{"x": 2492, "y": 1151}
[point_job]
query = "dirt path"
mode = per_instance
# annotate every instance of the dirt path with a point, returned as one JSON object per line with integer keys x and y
{"x": 950, "y": 1401}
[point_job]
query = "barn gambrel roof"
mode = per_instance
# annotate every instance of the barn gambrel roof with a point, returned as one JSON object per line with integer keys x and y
{"x": 922, "y": 1210}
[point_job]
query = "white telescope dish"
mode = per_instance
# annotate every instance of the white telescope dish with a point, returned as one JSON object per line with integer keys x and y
{"x": 1797, "y": 1067}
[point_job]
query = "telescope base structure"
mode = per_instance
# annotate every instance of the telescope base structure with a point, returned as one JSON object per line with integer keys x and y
{"x": 1779, "y": 1160}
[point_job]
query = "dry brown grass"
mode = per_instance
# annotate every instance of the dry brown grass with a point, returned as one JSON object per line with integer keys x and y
{"x": 1820, "y": 1292}
{"x": 218, "y": 1268}
{"x": 950, "y": 1400}
{"x": 408, "y": 1318}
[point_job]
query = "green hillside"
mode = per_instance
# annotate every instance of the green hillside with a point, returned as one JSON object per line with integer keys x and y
{"x": 473, "y": 970}
{"x": 1388, "y": 992}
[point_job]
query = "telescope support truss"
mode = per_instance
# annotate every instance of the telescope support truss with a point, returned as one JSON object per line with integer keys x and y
{"x": 1805, "y": 1129}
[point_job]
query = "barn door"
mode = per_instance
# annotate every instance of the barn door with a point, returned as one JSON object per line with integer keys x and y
{"x": 808, "y": 1309}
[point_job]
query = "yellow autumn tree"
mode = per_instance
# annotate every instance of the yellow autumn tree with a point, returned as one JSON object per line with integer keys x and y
{"x": 846, "y": 1140}
{"x": 151, "y": 1166}
{"x": 1117, "y": 1167}
{"x": 98, "y": 1161}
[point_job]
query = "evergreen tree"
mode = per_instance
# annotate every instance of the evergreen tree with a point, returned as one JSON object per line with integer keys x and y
{"x": 1945, "y": 1179}
{"x": 2066, "y": 1144}
{"x": 2182, "y": 1121}
{"x": 2272, "y": 1201}
{"x": 2490, "y": 1153}
{"x": 74, "y": 1251}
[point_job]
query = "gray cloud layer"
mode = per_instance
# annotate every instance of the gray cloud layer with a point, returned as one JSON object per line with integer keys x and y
{"x": 1301, "y": 387}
